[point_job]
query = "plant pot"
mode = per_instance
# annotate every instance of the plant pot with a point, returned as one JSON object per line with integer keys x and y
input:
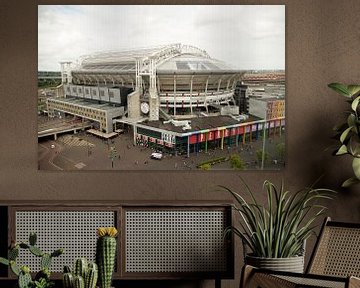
{"x": 291, "y": 264}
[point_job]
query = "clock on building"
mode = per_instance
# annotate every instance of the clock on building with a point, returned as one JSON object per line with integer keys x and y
{"x": 144, "y": 107}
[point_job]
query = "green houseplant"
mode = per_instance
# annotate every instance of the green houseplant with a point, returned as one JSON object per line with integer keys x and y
{"x": 349, "y": 132}
{"x": 279, "y": 229}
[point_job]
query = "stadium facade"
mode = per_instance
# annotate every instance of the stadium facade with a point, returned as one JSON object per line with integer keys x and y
{"x": 173, "y": 96}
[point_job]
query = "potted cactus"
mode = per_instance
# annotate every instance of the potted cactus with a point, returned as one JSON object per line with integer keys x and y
{"x": 106, "y": 254}
{"x": 42, "y": 278}
{"x": 84, "y": 274}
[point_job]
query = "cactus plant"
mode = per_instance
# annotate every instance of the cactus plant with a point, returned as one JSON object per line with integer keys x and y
{"x": 91, "y": 275}
{"x": 105, "y": 254}
{"x": 45, "y": 261}
{"x": 24, "y": 277}
{"x": 42, "y": 278}
{"x": 84, "y": 274}
{"x": 68, "y": 280}
{"x": 43, "y": 274}
{"x": 80, "y": 267}
{"x": 13, "y": 253}
{"x": 36, "y": 251}
{"x": 14, "y": 268}
{"x": 32, "y": 239}
{"x": 4, "y": 261}
{"x": 67, "y": 269}
{"x": 79, "y": 282}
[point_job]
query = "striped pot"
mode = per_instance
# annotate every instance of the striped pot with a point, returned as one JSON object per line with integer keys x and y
{"x": 291, "y": 264}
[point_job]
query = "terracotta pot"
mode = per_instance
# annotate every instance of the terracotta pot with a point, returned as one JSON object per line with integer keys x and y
{"x": 291, "y": 264}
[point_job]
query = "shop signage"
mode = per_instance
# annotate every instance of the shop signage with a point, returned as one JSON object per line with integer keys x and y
{"x": 169, "y": 138}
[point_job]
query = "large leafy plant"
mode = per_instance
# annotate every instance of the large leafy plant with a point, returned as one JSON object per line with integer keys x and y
{"x": 349, "y": 132}
{"x": 279, "y": 229}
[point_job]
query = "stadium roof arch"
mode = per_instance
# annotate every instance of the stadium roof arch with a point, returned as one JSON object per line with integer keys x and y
{"x": 176, "y": 58}
{"x": 112, "y": 59}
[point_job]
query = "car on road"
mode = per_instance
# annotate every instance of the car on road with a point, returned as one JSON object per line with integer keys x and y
{"x": 156, "y": 155}
{"x": 52, "y": 146}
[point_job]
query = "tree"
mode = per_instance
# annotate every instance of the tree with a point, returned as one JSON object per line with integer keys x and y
{"x": 280, "y": 149}
{"x": 236, "y": 162}
{"x": 259, "y": 155}
{"x": 206, "y": 166}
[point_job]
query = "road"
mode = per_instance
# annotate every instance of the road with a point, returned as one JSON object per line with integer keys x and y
{"x": 47, "y": 155}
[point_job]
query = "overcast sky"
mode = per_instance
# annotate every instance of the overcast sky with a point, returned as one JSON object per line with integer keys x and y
{"x": 244, "y": 36}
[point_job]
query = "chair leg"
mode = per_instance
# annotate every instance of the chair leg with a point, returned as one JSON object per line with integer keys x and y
{"x": 354, "y": 282}
{"x": 217, "y": 283}
{"x": 250, "y": 278}
{"x": 246, "y": 273}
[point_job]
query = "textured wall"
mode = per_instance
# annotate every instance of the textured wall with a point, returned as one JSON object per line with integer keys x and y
{"x": 322, "y": 46}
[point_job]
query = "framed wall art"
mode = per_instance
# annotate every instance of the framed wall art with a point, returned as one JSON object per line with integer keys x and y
{"x": 178, "y": 87}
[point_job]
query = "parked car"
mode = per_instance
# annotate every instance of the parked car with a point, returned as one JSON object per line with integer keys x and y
{"x": 156, "y": 155}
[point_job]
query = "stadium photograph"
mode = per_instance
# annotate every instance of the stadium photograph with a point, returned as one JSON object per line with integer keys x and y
{"x": 180, "y": 87}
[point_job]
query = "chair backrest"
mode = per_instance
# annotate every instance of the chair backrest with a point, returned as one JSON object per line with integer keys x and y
{"x": 337, "y": 251}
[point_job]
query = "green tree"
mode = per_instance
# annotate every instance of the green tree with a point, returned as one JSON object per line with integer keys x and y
{"x": 206, "y": 166}
{"x": 280, "y": 149}
{"x": 259, "y": 155}
{"x": 236, "y": 162}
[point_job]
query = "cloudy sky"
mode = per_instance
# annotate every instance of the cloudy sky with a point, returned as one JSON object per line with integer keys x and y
{"x": 244, "y": 36}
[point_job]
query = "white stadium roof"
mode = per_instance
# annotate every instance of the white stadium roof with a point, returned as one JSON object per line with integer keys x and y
{"x": 167, "y": 58}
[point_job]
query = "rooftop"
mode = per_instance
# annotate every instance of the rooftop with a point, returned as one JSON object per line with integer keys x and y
{"x": 86, "y": 103}
{"x": 199, "y": 123}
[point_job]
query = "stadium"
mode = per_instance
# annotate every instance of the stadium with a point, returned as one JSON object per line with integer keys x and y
{"x": 172, "y": 97}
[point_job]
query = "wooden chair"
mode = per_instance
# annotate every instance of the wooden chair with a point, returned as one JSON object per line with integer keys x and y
{"x": 335, "y": 262}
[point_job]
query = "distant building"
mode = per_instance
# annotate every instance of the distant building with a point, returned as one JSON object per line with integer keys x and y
{"x": 242, "y": 98}
{"x": 102, "y": 115}
{"x": 266, "y": 93}
{"x": 202, "y": 133}
{"x": 49, "y": 78}
{"x": 267, "y": 108}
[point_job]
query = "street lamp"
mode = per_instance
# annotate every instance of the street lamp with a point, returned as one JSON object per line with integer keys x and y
{"x": 263, "y": 147}
{"x": 112, "y": 155}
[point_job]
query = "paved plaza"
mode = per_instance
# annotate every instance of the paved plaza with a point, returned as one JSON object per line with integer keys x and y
{"x": 83, "y": 151}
